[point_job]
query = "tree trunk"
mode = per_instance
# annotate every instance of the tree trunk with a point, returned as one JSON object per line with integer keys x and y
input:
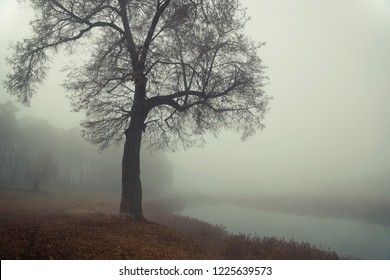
{"x": 131, "y": 202}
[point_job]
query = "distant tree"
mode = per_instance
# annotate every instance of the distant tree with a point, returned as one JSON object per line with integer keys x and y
{"x": 11, "y": 149}
{"x": 42, "y": 168}
{"x": 8, "y": 109}
{"x": 39, "y": 135}
{"x": 166, "y": 71}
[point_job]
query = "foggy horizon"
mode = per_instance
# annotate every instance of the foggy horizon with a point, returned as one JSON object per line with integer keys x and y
{"x": 328, "y": 127}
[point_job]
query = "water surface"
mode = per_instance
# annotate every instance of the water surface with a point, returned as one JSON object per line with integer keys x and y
{"x": 346, "y": 237}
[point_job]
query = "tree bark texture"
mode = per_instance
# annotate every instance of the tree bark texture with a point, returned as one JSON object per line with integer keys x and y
{"x": 131, "y": 202}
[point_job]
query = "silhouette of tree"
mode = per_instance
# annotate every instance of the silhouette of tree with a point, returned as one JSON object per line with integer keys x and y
{"x": 162, "y": 71}
{"x": 42, "y": 168}
{"x": 11, "y": 149}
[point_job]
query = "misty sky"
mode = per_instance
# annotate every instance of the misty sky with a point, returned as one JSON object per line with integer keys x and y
{"x": 328, "y": 124}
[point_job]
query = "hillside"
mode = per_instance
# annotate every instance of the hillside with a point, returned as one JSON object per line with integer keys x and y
{"x": 91, "y": 236}
{"x": 78, "y": 225}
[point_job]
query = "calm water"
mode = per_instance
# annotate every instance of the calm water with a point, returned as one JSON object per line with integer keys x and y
{"x": 345, "y": 237}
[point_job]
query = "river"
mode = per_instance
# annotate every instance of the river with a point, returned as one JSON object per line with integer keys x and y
{"x": 346, "y": 237}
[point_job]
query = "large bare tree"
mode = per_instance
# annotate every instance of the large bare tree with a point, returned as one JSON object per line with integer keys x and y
{"x": 161, "y": 71}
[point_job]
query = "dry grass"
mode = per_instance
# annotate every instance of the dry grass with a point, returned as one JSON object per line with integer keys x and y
{"x": 219, "y": 244}
{"x": 85, "y": 226}
{"x": 91, "y": 237}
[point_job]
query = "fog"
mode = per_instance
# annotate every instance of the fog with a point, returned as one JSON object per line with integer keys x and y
{"x": 324, "y": 153}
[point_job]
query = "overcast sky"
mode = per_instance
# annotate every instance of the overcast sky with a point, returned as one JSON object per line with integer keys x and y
{"x": 329, "y": 121}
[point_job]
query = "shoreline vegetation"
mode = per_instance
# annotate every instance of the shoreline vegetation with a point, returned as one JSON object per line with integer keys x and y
{"x": 82, "y": 225}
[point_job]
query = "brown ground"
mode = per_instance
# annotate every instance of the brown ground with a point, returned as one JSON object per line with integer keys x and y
{"x": 82, "y": 226}
{"x": 90, "y": 236}
{"x": 85, "y": 226}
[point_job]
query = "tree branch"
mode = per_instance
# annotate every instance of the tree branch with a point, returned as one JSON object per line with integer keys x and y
{"x": 86, "y": 21}
{"x": 128, "y": 35}
{"x": 160, "y": 8}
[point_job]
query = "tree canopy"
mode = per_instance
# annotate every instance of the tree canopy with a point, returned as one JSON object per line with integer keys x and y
{"x": 203, "y": 73}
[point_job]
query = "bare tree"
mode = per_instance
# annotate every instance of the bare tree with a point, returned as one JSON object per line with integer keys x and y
{"x": 42, "y": 168}
{"x": 162, "y": 71}
{"x": 12, "y": 151}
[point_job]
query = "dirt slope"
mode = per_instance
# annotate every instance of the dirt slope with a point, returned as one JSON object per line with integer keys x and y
{"x": 82, "y": 226}
{"x": 90, "y": 236}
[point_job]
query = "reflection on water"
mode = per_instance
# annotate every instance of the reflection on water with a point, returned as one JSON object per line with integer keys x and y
{"x": 345, "y": 237}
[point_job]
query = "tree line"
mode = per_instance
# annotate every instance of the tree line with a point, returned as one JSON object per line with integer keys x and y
{"x": 35, "y": 154}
